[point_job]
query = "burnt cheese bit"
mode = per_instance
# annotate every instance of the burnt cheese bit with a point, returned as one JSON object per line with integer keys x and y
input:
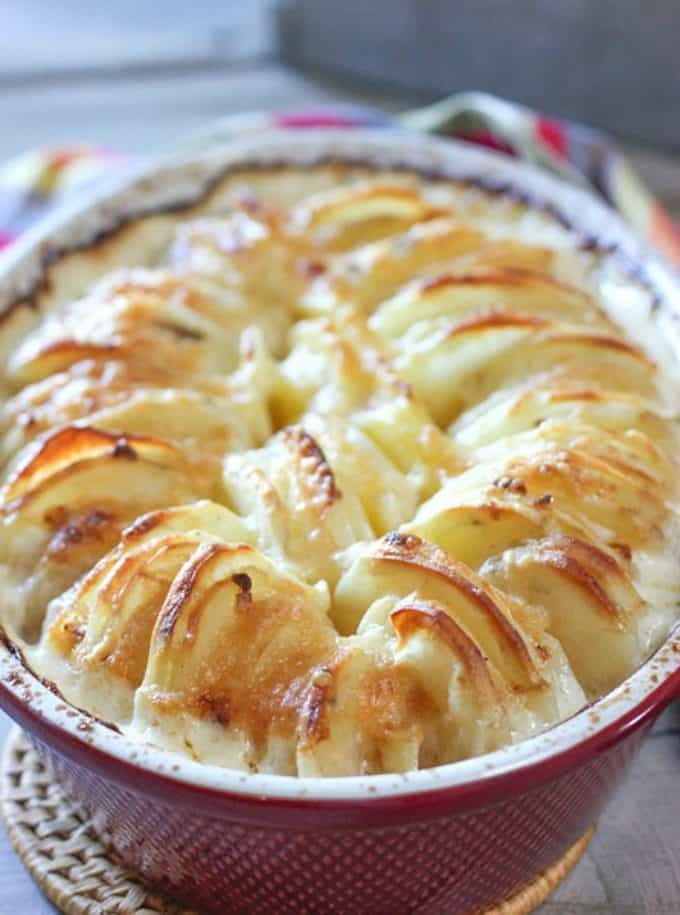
{"x": 310, "y": 268}
{"x": 512, "y": 484}
{"x": 243, "y": 582}
{"x": 402, "y": 541}
{"x": 123, "y": 449}
{"x": 623, "y": 549}
{"x": 215, "y": 708}
{"x": 71, "y": 529}
{"x": 544, "y": 500}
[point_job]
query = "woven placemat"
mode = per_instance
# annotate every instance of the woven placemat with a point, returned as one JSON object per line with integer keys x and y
{"x": 75, "y": 871}
{"x": 60, "y": 850}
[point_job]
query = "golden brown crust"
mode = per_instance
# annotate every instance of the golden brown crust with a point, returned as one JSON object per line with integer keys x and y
{"x": 61, "y": 452}
{"x": 580, "y": 562}
{"x": 411, "y": 550}
{"x": 302, "y": 443}
{"x": 498, "y": 319}
{"x": 415, "y": 615}
{"x": 431, "y": 435}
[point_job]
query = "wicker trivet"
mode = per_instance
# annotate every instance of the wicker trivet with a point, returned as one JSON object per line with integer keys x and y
{"x": 74, "y": 870}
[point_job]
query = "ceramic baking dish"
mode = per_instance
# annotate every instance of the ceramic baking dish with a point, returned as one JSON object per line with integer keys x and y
{"x": 453, "y": 839}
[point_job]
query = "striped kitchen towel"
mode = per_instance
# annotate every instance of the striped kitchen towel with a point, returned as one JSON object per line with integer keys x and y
{"x": 36, "y": 181}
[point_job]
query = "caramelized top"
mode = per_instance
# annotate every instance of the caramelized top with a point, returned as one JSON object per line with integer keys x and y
{"x": 338, "y": 473}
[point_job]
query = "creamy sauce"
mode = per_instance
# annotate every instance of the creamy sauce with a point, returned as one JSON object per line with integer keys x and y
{"x": 383, "y": 651}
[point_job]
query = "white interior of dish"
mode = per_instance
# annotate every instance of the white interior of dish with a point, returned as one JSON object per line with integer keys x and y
{"x": 176, "y": 182}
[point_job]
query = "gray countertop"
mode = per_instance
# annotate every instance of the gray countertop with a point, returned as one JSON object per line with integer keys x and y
{"x": 633, "y": 864}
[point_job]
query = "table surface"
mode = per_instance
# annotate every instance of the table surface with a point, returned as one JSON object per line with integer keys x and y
{"x": 633, "y": 864}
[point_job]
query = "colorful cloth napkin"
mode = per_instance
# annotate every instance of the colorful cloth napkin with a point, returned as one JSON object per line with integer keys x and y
{"x": 37, "y": 180}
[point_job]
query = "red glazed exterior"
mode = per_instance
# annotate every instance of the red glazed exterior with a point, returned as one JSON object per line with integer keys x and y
{"x": 452, "y": 851}
{"x": 438, "y": 843}
{"x": 449, "y": 864}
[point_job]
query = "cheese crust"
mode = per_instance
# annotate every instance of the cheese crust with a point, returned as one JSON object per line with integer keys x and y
{"x": 337, "y": 472}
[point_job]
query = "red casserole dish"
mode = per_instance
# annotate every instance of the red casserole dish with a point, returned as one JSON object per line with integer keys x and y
{"x": 453, "y": 839}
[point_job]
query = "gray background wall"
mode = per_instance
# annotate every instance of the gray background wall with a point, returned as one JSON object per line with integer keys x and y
{"x": 614, "y": 63}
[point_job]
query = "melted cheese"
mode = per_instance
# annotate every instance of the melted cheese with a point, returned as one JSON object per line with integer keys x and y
{"x": 338, "y": 473}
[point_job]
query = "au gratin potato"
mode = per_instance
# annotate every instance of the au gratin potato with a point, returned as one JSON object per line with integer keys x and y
{"x": 337, "y": 472}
